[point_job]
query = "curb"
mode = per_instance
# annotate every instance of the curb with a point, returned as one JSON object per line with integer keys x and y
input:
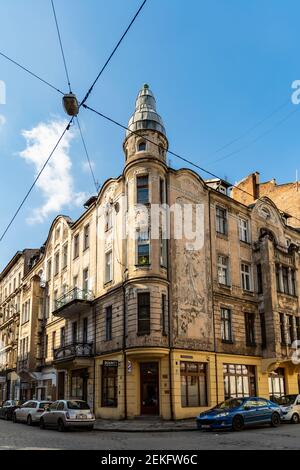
{"x": 145, "y": 430}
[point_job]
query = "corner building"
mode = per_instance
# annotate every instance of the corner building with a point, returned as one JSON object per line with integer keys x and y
{"x": 146, "y": 326}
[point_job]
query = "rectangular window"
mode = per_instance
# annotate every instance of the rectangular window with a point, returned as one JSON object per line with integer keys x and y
{"x": 53, "y": 340}
{"x": 290, "y": 329}
{"x": 193, "y": 376}
{"x": 226, "y": 328}
{"x": 56, "y": 264}
{"x": 244, "y": 230}
{"x": 108, "y": 266}
{"x": 246, "y": 276}
{"x": 62, "y": 337}
{"x": 109, "y": 386}
{"x": 144, "y": 313}
{"x": 297, "y": 327}
{"x": 285, "y": 280}
{"x": 85, "y": 281}
{"x": 75, "y": 282}
{"x": 250, "y": 329}
{"x": 86, "y": 237}
{"x": 239, "y": 381}
{"x": 221, "y": 220}
{"x": 162, "y": 191}
{"x": 108, "y": 323}
{"x": 47, "y": 307}
{"x": 49, "y": 270}
{"x": 277, "y": 383}
{"x": 142, "y": 186}
{"x": 163, "y": 249}
{"x": 76, "y": 246}
{"x": 259, "y": 279}
{"x": 282, "y": 328}
{"x": 164, "y": 314}
{"x": 143, "y": 249}
{"x": 223, "y": 270}
{"x": 85, "y": 330}
{"x": 65, "y": 255}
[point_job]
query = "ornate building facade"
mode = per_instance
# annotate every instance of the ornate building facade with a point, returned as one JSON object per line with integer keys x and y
{"x": 123, "y": 309}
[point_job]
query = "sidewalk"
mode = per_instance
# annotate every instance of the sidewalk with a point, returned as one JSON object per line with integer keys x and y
{"x": 145, "y": 425}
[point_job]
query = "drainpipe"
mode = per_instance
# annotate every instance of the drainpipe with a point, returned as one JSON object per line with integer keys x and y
{"x": 169, "y": 278}
{"x": 213, "y": 300}
{"x": 95, "y": 314}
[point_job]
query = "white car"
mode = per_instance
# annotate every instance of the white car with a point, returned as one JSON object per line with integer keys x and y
{"x": 290, "y": 406}
{"x": 65, "y": 414}
{"x": 30, "y": 412}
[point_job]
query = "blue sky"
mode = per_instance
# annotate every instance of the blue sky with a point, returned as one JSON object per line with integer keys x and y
{"x": 216, "y": 67}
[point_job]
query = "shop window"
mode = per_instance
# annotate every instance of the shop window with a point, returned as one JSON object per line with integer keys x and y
{"x": 109, "y": 396}
{"x": 193, "y": 384}
{"x": 276, "y": 384}
{"x": 239, "y": 381}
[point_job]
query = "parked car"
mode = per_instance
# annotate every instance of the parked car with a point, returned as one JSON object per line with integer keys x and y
{"x": 7, "y": 409}
{"x": 65, "y": 414}
{"x": 30, "y": 412}
{"x": 290, "y": 407}
{"x": 237, "y": 413}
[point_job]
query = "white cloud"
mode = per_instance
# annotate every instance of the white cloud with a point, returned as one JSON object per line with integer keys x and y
{"x": 2, "y": 120}
{"x": 56, "y": 182}
{"x": 86, "y": 167}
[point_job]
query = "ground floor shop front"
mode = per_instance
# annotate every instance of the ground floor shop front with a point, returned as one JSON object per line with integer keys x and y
{"x": 179, "y": 383}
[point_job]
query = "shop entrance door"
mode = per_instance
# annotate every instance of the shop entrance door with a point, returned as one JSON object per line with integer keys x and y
{"x": 149, "y": 388}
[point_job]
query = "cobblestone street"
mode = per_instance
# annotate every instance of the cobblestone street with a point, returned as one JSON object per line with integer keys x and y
{"x": 22, "y": 437}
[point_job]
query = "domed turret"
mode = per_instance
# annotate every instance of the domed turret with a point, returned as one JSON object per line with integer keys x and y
{"x": 145, "y": 115}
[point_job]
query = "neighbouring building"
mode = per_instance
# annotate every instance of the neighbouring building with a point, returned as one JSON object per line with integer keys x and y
{"x": 139, "y": 323}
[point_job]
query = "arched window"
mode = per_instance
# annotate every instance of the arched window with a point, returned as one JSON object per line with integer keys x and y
{"x": 141, "y": 146}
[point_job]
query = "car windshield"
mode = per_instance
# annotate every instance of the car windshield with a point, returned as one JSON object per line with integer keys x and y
{"x": 229, "y": 404}
{"x": 286, "y": 400}
{"x": 77, "y": 405}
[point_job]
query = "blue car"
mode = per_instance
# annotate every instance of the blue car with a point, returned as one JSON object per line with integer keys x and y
{"x": 237, "y": 413}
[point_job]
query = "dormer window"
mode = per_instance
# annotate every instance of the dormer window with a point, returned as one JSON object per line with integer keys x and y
{"x": 141, "y": 146}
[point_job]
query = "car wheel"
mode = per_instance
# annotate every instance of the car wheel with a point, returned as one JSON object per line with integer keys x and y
{"x": 275, "y": 420}
{"x": 14, "y": 418}
{"x": 42, "y": 424}
{"x": 29, "y": 420}
{"x": 90, "y": 428}
{"x": 295, "y": 418}
{"x": 60, "y": 425}
{"x": 238, "y": 423}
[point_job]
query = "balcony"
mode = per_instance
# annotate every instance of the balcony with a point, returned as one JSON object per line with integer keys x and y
{"x": 74, "y": 352}
{"x": 73, "y": 302}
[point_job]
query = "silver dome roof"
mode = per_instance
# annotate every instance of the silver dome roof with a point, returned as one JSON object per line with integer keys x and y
{"x": 145, "y": 115}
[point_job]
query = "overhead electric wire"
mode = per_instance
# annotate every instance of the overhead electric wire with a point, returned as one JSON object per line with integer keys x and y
{"x": 31, "y": 73}
{"x": 113, "y": 52}
{"x": 87, "y": 156}
{"x": 170, "y": 151}
{"x": 250, "y": 129}
{"x": 35, "y": 181}
{"x": 61, "y": 46}
{"x": 259, "y": 137}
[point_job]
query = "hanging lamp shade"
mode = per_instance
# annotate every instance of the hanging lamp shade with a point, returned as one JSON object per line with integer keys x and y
{"x": 70, "y": 104}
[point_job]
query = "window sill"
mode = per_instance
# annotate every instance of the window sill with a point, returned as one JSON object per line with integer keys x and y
{"x": 243, "y": 242}
{"x": 108, "y": 283}
{"x": 293, "y": 296}
{"x": 227, "y": 341}
{"x": 222, "y": 235}
{"x": 139, "y": 266}
{"x": 85, "y": 249}
{"x": 139, "y": 333}
{"x": 251, "y": 345}
{"x": 224, "y": 286}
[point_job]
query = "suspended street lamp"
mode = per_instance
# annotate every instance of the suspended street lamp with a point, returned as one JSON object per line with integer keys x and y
{"x": 70, "y": 104}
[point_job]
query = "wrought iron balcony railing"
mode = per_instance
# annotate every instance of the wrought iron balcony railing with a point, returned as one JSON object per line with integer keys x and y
{"x": 73, "y": 295}
{"x": 73, "y": 350}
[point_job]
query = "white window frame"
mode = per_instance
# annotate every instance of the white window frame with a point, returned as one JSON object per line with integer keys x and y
{"x": 223, "y": 270}
{"x": 244, "y": 230}
{"x": 106, "y": 280}
{"x": 246, "y": 275}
